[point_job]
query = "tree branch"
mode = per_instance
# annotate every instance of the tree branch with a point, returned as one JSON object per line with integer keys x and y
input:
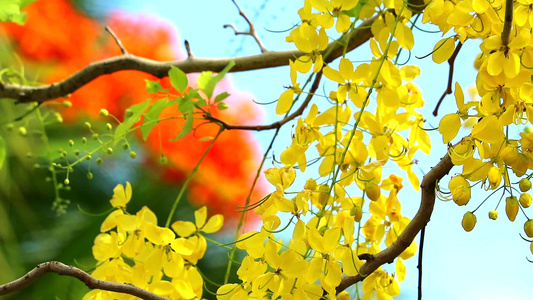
{"x": 251, "y": 30}
{"x": 91, "y": 282}
{"x": 448, "y": 91}
{"x": 277, "y": 124}
{"x": 407, "y": 236}
{"x": 265, "y": 60}
{"x": 117, "y": 40}
{"x": 508, "y": 22}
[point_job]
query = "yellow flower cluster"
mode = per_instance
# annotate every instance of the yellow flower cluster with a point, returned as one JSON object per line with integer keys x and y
{"x": 351, "y": 149}
{"x": 134, "y": 249}
{"x": 490, "y": 154}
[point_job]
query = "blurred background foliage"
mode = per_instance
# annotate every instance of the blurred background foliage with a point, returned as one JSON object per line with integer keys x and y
{"x": 58, "y": 39}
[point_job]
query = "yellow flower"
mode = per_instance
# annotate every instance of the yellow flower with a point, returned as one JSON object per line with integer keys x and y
{"x": 460, "y": 189}
{"x": 121, "y": 195}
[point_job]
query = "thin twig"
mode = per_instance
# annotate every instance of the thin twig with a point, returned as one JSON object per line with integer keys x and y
{"x": 90, "y": 281}
{"x": 448, "y": 91}
{"x": 508, "y": 22}
{"x": 251, "y": 30}
{"x": 117, "y": 40}
{"x": 188, "y": 49}
{"x": 420, "y": 251}
{"x": 411, "y": 230}
{"x": 277, "y": 124}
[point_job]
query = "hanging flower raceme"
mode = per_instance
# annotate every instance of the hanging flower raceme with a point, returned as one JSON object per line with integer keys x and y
{"x": 151, "y": 251}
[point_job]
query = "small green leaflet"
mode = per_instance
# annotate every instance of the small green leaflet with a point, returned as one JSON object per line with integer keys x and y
{"x": 178, "y": 79}
{"x": 2, "y": 152}
{"x": 10, "y": 11}
{"x": 151, "y": 117}
{"x": 222, "y": 106}
{"x": 132, "y": 116}
{"x": 187, "y": 127}
{"x": 207, "y": 82}
{"x": 354, "y": 12}
{"x": 221, "y": 97}
{"x": 153, "y": 87}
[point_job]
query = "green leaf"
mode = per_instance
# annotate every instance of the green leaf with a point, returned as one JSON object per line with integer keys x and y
{"x": 206, "y": 82}
{"x": 186, "y": 105}
{"x": 132, "y": 116}
{"x": 154, "y": 86}
{"x": 222, "y": 106}
{"x": 221, "y": 97}
{"x": 178, "y": 78}
{"x": 2, "y": 152}
{"x": 354, "y": 12}
{"x": 10, "y": 12}
{"x": 187, "y": 127}
{"x": 151, "y": 116}
{"x": 206, "y": 138}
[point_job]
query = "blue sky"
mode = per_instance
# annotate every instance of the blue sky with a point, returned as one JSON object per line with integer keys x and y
{"x": 487, "y": 263}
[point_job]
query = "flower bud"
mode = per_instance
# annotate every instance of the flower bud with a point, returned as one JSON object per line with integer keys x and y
{"x": 469, "y": 221}
{"x": 89, "y": 175}
{"x": 163, "y": 160}
{"x": 67, "y": 104}
{"x": 133, "y": 154}
{"x": 357, "y": 213}
{"x": 108, "y": 126}
{"x": 23, "y": 131}
{"x": 109, "y": 151}
{"x": 493, "y": 214}
{"x": 511, "y": 207}
{"x": 524, "y": 184}
{"x": 87, "y": 124}
{"x": 66, "y": 182}
{"x": 528, "y": 227}
{"x": 495, "y": 177}
{"x": 525, "y": 200}
{"x": 373, "y": 191}
{"x": 104, "y": 112}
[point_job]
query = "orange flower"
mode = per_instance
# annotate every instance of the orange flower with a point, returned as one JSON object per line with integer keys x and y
{"x": 67, "y": 44}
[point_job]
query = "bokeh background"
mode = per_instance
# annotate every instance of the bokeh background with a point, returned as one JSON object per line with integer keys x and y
{"x": 63, "y": 36}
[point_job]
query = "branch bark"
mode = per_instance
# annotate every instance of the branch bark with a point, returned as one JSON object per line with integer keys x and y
{"x": 24, "y": 94}
{"x": 91, "y": 282}
{"x": 408, "y": 235}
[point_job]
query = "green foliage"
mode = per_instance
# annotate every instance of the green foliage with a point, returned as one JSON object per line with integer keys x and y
{"x": 132, "y": 116}
{"x": 151, "y": 117}
{"x": 178, "y": 79}
{"x": 2, "y": 152}
{"x": 187, "y": 127}
{"x": 207, "y": 82}
{"x": 154, "y": 87}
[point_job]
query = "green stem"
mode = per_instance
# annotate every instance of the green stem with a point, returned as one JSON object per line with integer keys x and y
{"x": 186, "y": 183}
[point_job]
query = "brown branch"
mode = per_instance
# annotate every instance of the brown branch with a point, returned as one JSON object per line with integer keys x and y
{"x": 265, "y": 60}
{"x": 448, "y": 91}
{"x": 411, "y": 230}
{"x": 251, "y": 30}
{"x": 119, "y": 43}
{"x": 279, "y": 123}
{"x": 188, "y": 49}
{"x": 91, "y": 282}
{"x": 420, "y": 252}
{"x": 508, "y": 22}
